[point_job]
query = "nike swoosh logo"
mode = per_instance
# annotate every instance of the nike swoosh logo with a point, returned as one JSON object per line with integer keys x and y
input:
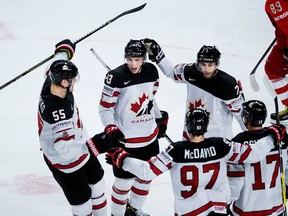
{"x": 190, "y": 79}
{"x": 125, "y": 83}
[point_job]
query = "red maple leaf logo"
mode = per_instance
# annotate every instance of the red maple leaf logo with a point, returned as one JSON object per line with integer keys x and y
{"x": 135, "y": 107}
{"x": 196, "y": 104}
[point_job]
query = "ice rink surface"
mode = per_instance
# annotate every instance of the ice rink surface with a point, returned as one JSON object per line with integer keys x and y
{"x": 29, "y": 29}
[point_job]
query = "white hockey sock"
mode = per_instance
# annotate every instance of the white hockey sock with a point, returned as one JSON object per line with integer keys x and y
{"x": 139, "y": 192}
{"x": 120, "y": 195}
{"x": 99, "y": 202}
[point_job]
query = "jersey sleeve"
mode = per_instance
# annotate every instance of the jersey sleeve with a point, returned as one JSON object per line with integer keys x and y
{"x": 175, "y": 73}
{"x": 240, "y": 153}
{"x": 109, "y": 97}
{"x": 235, "y": 103}
{"x": 148, "y": 170}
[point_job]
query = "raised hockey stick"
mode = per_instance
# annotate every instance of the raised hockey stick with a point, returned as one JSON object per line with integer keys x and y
{"x": 273, "y": 94}
{"x": 77, "y": 41}
{"x": 252, "y": 76}
{"x": 108, "y": 69}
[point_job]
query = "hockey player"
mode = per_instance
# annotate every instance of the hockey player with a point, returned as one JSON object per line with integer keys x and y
{"x": 276, "y": 66}
{"x": 207, "y": 87}
{"x": 129, "y": 112}
{"x": 260, "y": 192}
{"x": 198, "y": 166}
{"x": 64, "y": 141}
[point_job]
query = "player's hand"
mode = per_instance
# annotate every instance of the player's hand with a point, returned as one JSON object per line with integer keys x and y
{"x": 162, "y": 124}
{"x": 154, "y": 50}
{"x": 66, "y": 46}
{"x": 116, "y": 156}
{"x": 99, "y": 143}
{"x": 115, "y": 134}
{"x": 278, "y": 131}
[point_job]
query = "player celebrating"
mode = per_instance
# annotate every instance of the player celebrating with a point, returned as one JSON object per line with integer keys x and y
{"x": 276, "y": 66}
{"x": 129, "y": 112}
{"x": 262, "y": 193}
{"x": 207, "y": 87}
{"x": 198, "y": 166}
{"x": 63, "y": 138}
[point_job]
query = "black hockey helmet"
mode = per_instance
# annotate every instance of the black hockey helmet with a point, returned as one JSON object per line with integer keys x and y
{"x": 62, "y": 69}
{"x": 208, "y": 54}
{"x": 255, "y": 112}
{"x": 135, "y": 48}
{"x": 197, "y": 121}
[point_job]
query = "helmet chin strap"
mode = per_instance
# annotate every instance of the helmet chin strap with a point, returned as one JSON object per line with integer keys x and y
{"x": 68, "y": 87}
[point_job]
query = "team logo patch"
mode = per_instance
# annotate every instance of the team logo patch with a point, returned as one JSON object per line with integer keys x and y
{"x": 236, "y": 103}
{"x": 108, "y": 91}
{"x": 196, "y": 104}
{"x": 143, "y": 106}
{"x": 65, "y": 134}
{"x": 62, "y": 126}
{"x": 165, "y": 158}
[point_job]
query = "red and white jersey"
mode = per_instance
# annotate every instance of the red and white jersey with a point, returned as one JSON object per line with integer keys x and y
{"x": 221, "y": 96}
{"x": 261, "y": 193}
{"x": 277, "y": 11}
{"x": 199, "y": 171}
{"x": 128, "y": 101}
{"x": 61, "y": 132}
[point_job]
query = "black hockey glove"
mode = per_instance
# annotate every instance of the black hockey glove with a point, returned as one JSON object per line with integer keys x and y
{"x": 66, "y": 46}
{"x": 154, "y": 50}
{"x": 162, "y": 124}
{"x": 99, "y": 143}
{"x": 117, "y": 137}
{"x": 278, "y": 131}
{"x": 116, "y": 156}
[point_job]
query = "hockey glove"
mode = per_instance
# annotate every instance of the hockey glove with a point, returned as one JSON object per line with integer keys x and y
{"x": 278, "y": 131}
{"x": 162, "y": 124}
{"x": 99, "y": 143}
{"x": 116, "y": 156}
{"x": 66, "y": 46}
{"x": 116, "y": 135}
{"x": 154, "y": 50}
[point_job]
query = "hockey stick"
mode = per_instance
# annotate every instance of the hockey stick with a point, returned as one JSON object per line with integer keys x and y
{"x": 77, "y": 41}
{"x": 252, "y": 77}
{"x": 100, "y": 59}
{"x": 273, "y": 94}
{"x": 108, "y": 69}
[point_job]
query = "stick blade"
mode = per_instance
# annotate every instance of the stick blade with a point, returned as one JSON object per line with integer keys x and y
{"x": 139, "y": 8}
{"x": 253, "y": 82}
{"x": 134, "y": 9}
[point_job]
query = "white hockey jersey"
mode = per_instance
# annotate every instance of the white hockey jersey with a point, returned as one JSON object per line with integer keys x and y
{"x": 128, "y": 101}
{"x": 199, "y": 171}
{"x": 261, "y": 192}
{"x": 61, "y": 132}
{"x": 221, "y": 96}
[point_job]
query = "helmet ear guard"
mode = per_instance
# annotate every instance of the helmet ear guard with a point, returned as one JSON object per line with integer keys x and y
{"x": 209, "y": 54}
{"x": 254, "y": 112}
{"x": 135, "y": 48}
{"x": 197, "y": 121}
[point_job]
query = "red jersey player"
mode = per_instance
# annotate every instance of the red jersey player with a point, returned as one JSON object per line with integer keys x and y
{"x": 276, "y": 66}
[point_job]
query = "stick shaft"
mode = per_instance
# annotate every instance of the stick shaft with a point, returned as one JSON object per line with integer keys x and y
{"x": 77, "y": 41}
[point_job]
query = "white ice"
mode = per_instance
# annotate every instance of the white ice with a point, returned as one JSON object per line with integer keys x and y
{"x": 29, "y": 29}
